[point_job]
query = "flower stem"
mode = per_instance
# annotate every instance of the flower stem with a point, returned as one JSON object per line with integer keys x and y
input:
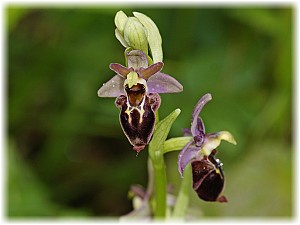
{"x": 183, "y": 195}
{"x": 160, "y": 187}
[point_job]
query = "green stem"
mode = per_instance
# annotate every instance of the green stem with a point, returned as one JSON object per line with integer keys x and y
{"x": 183, "y": 195}
{"x": 159, "y": 179}
{"x": 150, "y": 186}
{"x": 160, "y": 186}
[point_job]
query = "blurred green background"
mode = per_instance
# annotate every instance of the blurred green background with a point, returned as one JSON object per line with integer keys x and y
{"x": 66, "y": 153}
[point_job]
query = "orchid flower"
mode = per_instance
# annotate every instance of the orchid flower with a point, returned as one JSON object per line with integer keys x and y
{"x": 208, "y": 177}
{"x": 136, "y": 88}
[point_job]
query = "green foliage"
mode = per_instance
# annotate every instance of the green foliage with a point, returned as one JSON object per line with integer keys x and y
{"x": 67, "y": 154}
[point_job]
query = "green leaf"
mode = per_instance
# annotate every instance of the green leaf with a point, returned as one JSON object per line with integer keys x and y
{"x": 160, "y": 134}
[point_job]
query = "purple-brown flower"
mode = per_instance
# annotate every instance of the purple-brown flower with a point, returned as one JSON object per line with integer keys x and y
{"x": 208, "y": 177}
{"x": 137, "y": 89}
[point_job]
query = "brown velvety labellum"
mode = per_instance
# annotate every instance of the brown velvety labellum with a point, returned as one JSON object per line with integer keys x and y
{"x": 137, "y": 126}
{"x": 137, "y": 116}
{"x": 208, "y": 179}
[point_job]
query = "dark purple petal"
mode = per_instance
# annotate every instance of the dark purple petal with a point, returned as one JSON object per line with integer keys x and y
{"x": 119, "y": 69}
{"x": 163, "y": 83}
{"x": 186, "y": 155}
{"x": 136, "y": 59}
{"x": 153, "y": 69}
{"x": 113, "y": 87}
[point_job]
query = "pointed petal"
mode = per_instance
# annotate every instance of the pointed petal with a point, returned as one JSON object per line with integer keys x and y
{"x": 113, "y": 87}
{"x": 153, "y": 69}
{"x": 163, "y": 83}
{"x": 136, "y": 59}
{"x": 197, "y": 126}
{"x": 186, "y": 155}
{"x": 203, "y": 100}
{"x": 119, "y": 69}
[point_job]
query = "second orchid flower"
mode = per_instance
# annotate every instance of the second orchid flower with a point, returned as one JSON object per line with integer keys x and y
{"x": 208, "y": 177}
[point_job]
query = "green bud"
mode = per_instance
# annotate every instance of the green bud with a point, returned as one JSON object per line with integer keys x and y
{"x": 135, "y": 35}
{"x": 139, "y": 33}
{"x": 120, "y": 38}
{"x": 153, "y": 36}
{"x": 120, "y": 21}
